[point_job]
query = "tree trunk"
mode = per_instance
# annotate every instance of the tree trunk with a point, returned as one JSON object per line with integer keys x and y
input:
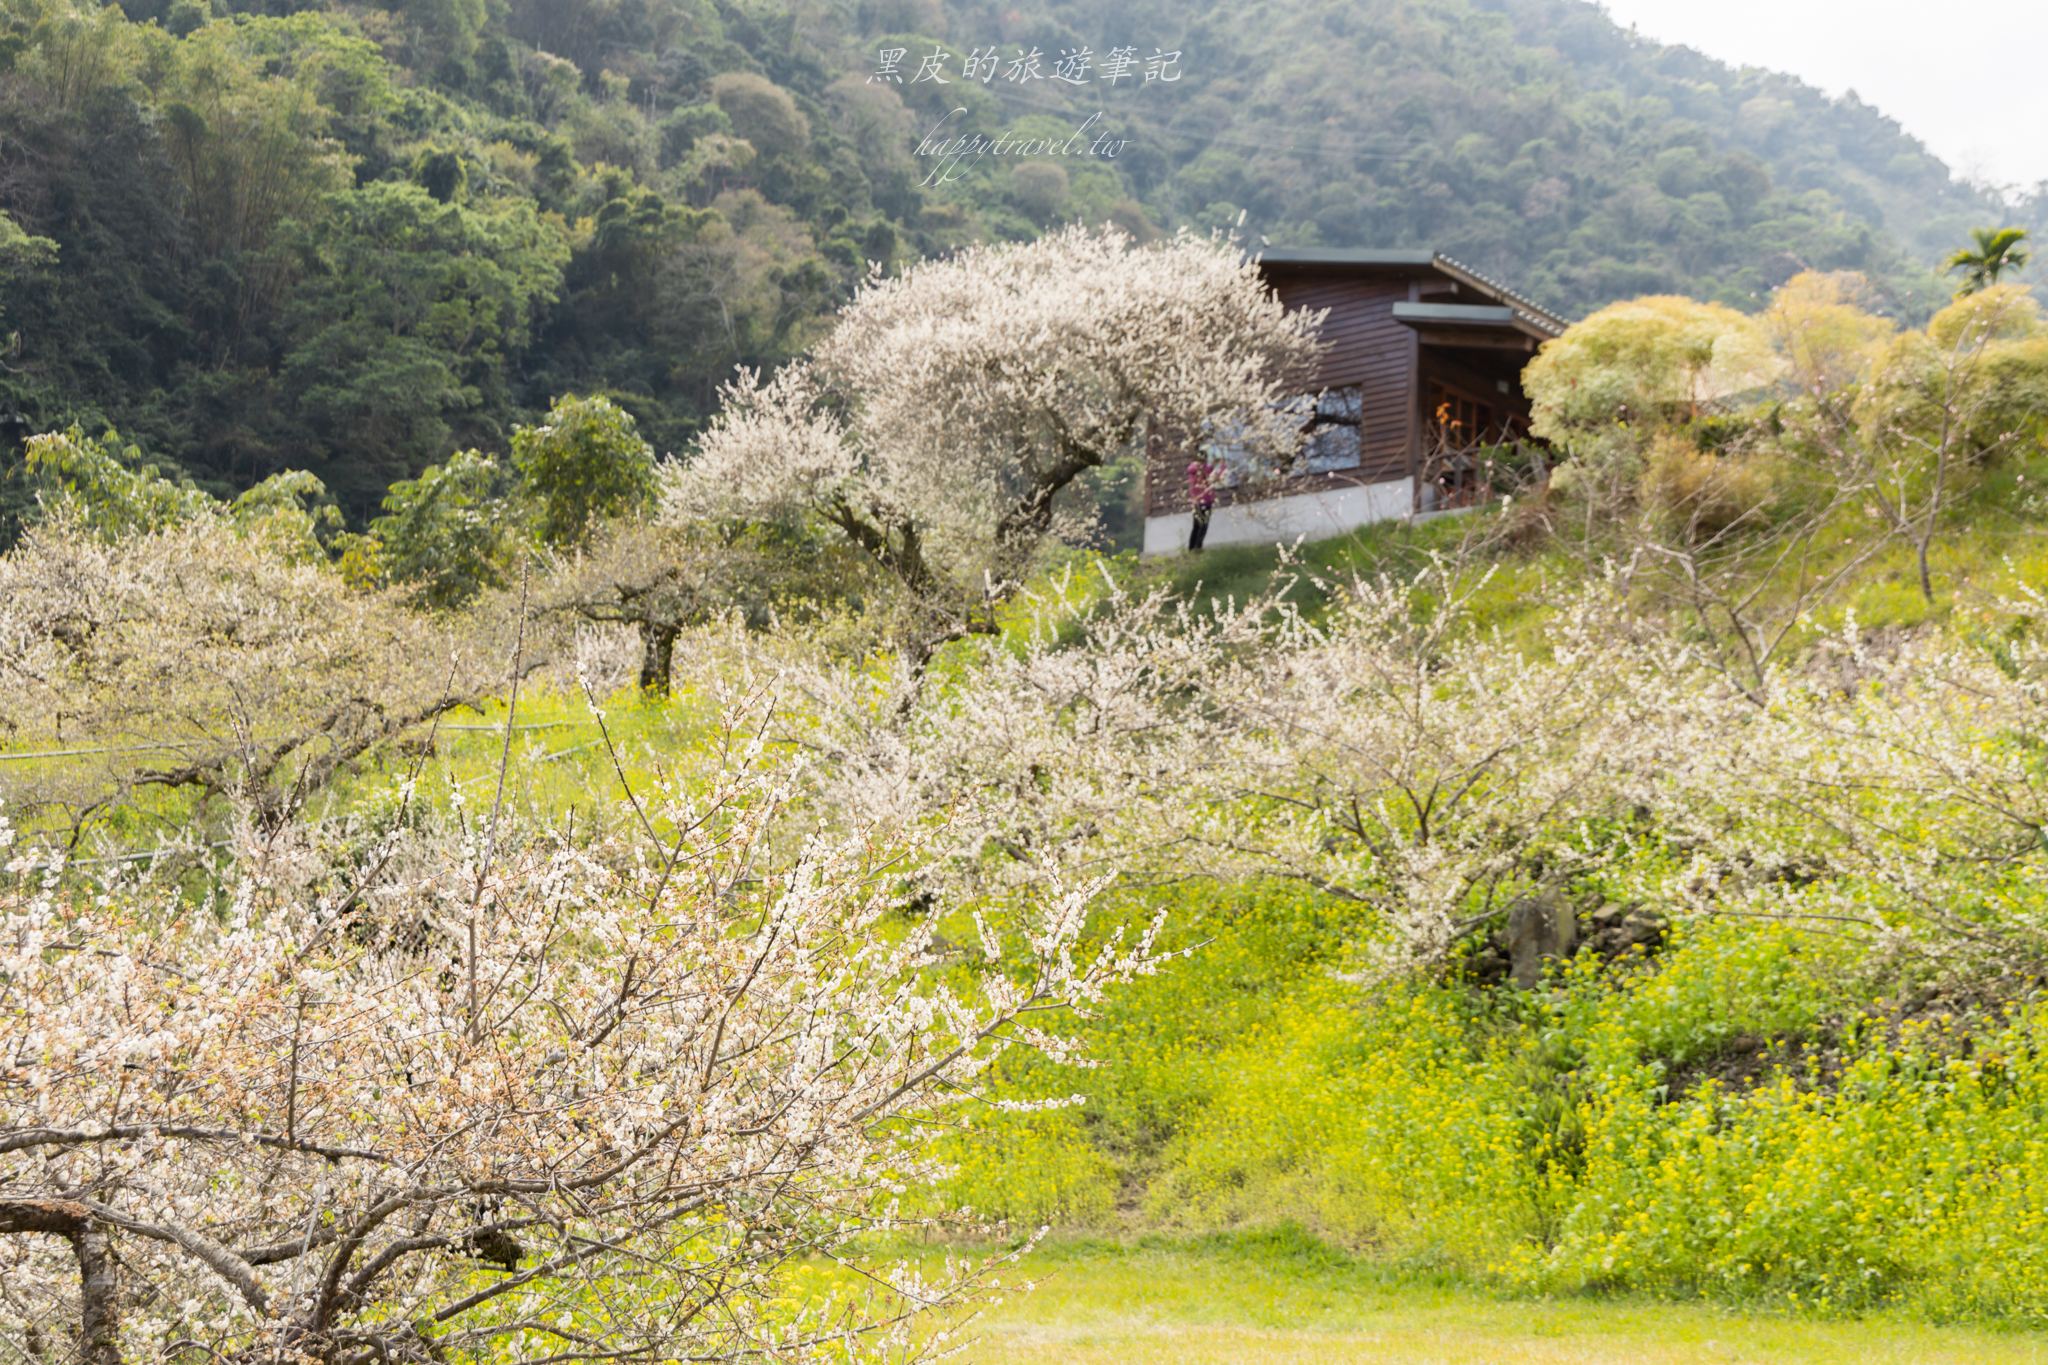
{"x": 657, "y": 657}
{"x": 98, "y": 1280}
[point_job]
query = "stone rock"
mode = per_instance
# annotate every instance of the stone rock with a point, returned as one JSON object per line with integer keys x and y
{"x": 1540, "y": 929}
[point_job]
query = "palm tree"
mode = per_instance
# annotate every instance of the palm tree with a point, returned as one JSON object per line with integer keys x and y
{"x": 1998, "y": 250}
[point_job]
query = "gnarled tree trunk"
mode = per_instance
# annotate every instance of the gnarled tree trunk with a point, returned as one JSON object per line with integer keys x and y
{"x": 657, "y": 655}
{"x": 99, "y": 1287}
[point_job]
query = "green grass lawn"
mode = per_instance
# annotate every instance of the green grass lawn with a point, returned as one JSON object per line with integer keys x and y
{"x": 1282, "y": 1299}
{"x": 1992, "y": 531}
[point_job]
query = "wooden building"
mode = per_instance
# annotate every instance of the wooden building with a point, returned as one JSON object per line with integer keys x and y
{"x": 1418, "y": 400}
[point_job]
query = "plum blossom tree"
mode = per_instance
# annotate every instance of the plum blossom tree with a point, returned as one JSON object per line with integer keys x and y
{"x": 936, "y": 426}
{"x": 485, "y": 1092}
{"x": 1392, "y": 751}
{"x": 662, "y": 579}
{"x": 215, "y": 653}
{"x": 1383, "y": 750}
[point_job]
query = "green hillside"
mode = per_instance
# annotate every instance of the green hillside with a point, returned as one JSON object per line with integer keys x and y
{"x": 265, "y": 234}
{"x": 1533, "y": 138}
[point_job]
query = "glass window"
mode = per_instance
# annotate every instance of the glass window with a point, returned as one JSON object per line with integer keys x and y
{"x": 1331, "y": 431}
{"x": 1329, "y": 423}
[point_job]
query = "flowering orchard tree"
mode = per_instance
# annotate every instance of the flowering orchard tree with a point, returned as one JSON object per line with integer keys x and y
{"x": 1392, "y": 751}
{"x": 1888, "y": 788}
{"x": 214, "y": 656}
{"x": 937, "y": 424}
{"x": 663, "y": 579}
{"x": 483, "y": 1094}
{"x": 1078, "y": 739}
{"x": 1385, "y": 751}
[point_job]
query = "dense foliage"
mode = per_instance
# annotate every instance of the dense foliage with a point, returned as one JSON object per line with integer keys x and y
{"x": 350, "y": 241}
{"x": 354, "y": 239}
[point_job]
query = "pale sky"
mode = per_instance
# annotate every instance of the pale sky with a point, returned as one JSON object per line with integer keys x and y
{"x": 1966, "y": 77}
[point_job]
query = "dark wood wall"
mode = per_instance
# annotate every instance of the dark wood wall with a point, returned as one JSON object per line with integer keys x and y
{"x": 1365, "y": 346}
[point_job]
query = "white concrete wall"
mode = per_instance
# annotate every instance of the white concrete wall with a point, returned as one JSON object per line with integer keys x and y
{"x": 1301, "y": 516}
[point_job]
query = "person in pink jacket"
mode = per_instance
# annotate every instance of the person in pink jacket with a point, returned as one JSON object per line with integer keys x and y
{"x": 1202, "y": 480}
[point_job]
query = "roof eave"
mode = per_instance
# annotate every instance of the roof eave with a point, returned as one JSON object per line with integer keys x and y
{"x": 1542, "y": 323}
{"x": 1547, "y": 323}
{"x": 1494, "y": 319}
{"x": 1351, "y": 256}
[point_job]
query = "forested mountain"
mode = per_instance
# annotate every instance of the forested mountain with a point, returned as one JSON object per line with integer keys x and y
{"x": 265, "y": 234}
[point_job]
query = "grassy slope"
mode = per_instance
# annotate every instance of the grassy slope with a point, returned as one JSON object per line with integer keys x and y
{"x": 1996, "y": 516}
{"x": 1277, "y": 1298}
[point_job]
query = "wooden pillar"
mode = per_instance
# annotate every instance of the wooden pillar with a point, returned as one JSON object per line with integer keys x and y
{"x": 1415, "y": 406}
